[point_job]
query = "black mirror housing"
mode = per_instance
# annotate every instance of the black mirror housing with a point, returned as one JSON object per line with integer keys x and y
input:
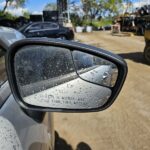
{"x": 95, "y": 68}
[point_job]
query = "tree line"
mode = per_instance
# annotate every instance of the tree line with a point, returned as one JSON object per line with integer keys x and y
{"x": 91, "y": 8}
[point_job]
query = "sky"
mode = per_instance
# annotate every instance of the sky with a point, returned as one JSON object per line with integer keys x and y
{"x": 36, "y": 6}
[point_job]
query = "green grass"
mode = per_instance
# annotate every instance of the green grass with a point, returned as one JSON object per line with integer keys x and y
{"x": 103, "y": 22}
{"x": 96, "y": 23}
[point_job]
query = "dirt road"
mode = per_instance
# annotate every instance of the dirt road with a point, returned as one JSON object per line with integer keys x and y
{"x": 124, "y": 126}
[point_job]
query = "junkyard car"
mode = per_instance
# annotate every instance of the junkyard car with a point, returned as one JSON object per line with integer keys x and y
{"x": 147, "y": 45}
{"x": 47, "y": 29}
{"x": 49, "y": 75}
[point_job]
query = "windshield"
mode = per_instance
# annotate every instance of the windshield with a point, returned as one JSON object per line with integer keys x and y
{"x": 23, "y": 27}
{"x": 9, "y": 35}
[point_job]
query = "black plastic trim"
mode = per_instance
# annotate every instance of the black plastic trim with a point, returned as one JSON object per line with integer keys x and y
{"x": 120, "y": 63}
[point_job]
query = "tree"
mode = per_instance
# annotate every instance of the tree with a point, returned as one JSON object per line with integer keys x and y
{"x": 128, "y": 5}
{"x": 16, "y": 3}
{"x": 95, "y": 8}
{"x": 26, "y": 14}
{"x": 51, "y": 7}
{"x": 112, "y": 6}
{"x": 92, "y": 8}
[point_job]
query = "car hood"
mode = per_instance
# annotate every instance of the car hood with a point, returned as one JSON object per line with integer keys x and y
{"x": 8, "y": 36}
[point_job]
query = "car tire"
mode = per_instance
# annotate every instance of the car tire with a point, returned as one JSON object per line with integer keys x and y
{"x": 62, "y": 37}
{"x": 147, "y": 54}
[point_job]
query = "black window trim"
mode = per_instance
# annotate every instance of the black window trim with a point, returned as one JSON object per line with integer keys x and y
{"x": 30, "y": 27}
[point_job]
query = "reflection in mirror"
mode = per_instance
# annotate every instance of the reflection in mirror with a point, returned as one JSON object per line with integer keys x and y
{"x": 43, "y": 67}
{"x": 95, "y": 69}
{"x": 46, "y": 77}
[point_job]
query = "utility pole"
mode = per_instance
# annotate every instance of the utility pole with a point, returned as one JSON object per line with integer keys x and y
{"x": 62, "y": 7}
{"x": 68, "y": 11}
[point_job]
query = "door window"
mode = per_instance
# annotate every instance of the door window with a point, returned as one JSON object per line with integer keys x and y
{"x": 50, "y": 26}
{"x": 36, "y": 27}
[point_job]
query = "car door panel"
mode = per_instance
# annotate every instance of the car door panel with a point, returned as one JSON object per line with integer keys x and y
{"x": 34, "y": 30}
{"x": 32, "y": 135}
{"x": 20, "y": 129}
{"x": 50, "y": 30}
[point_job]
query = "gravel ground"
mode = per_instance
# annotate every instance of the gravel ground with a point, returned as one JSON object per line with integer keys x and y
{"x": 124, "y": 126}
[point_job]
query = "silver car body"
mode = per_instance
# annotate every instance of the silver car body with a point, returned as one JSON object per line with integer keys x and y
{"x": 21, "y": 129}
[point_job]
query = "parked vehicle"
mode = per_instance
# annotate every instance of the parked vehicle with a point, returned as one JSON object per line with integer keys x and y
{"x": 13, "y": 23}
{"x": 136, "y": 22}
{"x": 147, "y": 45}
{"x": 47, "y": 29}
{"x": 43, "y": 77}
{"x": 107, "y": 27}
{"x": 9, "y": 36}
{"x": 20, "y": 129}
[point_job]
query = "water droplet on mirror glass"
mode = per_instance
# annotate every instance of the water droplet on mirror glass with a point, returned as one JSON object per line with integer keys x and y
{"x": 69, "y": 85}
{"x": 51, "y": 97}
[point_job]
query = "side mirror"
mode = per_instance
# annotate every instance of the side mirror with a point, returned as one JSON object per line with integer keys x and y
{"x": 56, "y": 75}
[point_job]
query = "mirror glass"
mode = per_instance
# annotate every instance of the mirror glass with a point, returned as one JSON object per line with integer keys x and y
{"x": 48, "y": 76}
{"x": 95, "y": 69}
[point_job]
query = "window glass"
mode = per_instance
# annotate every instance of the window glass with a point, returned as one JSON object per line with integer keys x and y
{"x": 3, "y": 76}
{"x": 54, "y": 25}
{"x": 36, "y": 27}
{"x": 50, "y": 25}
